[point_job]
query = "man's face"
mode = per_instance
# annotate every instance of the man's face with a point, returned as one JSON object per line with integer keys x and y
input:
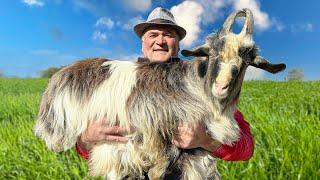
{"x": 160, "y": 43}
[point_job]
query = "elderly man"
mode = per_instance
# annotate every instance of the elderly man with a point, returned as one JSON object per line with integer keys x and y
{"x": 160, "y": 37}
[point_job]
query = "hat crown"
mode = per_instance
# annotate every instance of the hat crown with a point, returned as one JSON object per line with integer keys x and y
{"x": 160, "y": 17}
{"x": 161, "y": 13}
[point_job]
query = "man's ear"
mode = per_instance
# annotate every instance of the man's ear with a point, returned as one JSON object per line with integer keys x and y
{"x": 141, "y": 43}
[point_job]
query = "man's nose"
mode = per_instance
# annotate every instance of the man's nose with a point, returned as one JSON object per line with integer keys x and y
{"x": 160, "y": 40}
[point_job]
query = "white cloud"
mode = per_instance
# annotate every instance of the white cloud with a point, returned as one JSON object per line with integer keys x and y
{"x": 99, "y": 36}
{"x": 212, "y": 9}
{"x": 132, "y": 22}
{"x": 138, "y": 5}
{"x": 33, "y": 2}
{"x": 188, "y": 15}
{"x": 261, "y": 19}
{"x": 279, "y": 26}
{"x": 309, "y": 27}
{"x": 253, "y": 73}
{"x": 299, "y": 27}
{"x": 104, "y": 22}
{"x": 192, "y": 14}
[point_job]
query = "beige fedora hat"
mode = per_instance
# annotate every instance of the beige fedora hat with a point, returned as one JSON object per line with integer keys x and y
{"x": 160, "y": 16}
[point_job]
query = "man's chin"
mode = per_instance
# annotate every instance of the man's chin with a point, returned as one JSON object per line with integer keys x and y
{"x": 161, "y": 58}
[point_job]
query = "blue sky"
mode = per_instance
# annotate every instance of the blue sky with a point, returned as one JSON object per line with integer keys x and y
{"x": 37, "y": 34}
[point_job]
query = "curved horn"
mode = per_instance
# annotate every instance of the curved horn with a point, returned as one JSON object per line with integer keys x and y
{"x": 248, "y": 24}
{"x": 227, "y": 25}
{"x": 247, "y": 30}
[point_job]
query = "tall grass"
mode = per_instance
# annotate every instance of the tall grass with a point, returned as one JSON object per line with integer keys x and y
{"x": 284, "y": 119}
{"x": 22, "y": 155}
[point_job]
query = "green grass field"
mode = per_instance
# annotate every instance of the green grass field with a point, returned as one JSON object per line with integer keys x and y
{"x": 284, "y": 119}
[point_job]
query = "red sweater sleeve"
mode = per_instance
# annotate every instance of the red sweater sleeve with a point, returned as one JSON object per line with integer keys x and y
{"x": 82, "y": 152}
{"x": 243, "y": 148}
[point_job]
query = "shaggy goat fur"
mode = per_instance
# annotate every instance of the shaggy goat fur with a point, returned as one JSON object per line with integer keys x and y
{"x": 149, "y": 99}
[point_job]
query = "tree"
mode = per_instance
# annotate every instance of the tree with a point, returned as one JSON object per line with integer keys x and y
{"x": 49, "y": 72}
{"x": 295, "y": 75}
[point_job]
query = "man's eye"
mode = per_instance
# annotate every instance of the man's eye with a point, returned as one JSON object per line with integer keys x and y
{"x": 152, "y": 36}
{"x": 168, "y": 35}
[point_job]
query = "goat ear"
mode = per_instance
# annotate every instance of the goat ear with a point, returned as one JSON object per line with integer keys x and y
{"x": 260, "y": 62}
{"x": 198, "y": 51}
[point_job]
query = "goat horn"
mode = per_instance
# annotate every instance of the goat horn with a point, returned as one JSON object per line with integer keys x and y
{"x": 227, "y": 25}
{"x": 247, "y": 29}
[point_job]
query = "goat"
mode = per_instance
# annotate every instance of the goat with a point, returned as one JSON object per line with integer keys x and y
{"x": 150, "y": 99}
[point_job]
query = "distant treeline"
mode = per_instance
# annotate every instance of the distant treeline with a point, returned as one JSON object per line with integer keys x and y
{"x": 293, "y": 74}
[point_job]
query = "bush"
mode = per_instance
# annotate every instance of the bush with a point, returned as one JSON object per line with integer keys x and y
{"x": 295, "y": 75}
{"x": 49, "y": 72}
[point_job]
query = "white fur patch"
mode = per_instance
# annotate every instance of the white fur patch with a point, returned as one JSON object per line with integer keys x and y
{"x": 109, "y": 100}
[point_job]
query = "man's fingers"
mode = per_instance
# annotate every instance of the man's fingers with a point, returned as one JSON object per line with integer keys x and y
{"x": 116, "y": 138}
{"x": 114, "y": 130}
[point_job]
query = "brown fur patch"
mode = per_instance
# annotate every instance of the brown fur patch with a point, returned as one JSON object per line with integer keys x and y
{"x": 81, "y": 78}
{"x": 84, "y": 76}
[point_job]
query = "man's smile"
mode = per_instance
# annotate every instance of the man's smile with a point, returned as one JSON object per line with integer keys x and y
{"x": 164, "y": 50}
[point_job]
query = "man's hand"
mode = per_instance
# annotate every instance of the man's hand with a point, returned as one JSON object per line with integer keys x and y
{"x": 188, "y": 137}
{"x": 98, "y": 131}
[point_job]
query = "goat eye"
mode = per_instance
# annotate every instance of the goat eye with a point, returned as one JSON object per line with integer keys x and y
{"x": 242, "y": 51}
{"x": 234, "y": 71}
{"x": 247, "y": 54}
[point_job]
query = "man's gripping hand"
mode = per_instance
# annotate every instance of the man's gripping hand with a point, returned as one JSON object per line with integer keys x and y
{"x": 99, "y": 132}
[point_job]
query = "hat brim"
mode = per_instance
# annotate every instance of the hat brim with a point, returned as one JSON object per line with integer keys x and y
{"x": 139, "y": 29}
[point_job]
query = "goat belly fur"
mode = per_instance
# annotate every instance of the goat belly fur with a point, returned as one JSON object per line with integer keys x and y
{"x": 148, "y": 99}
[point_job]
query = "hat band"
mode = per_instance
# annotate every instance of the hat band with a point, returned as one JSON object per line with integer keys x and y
{"x": 162, "y": 21}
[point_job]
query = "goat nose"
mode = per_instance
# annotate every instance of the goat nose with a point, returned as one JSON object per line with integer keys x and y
{"x": 221, "y": 86}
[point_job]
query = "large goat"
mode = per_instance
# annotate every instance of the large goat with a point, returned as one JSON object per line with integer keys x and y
{"x": 150, "y": 99}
